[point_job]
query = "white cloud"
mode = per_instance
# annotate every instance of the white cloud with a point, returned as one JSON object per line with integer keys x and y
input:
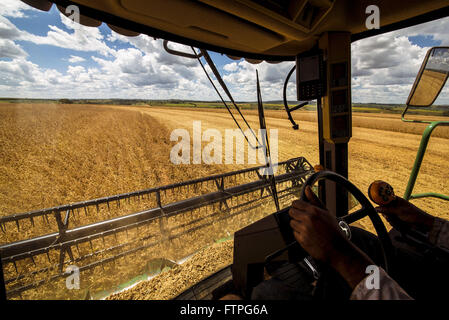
{"x": 9, "y": 49}
{"x": 271, "y": 76}
{"x": 230, "y": 67}
{"x": 80, "y": 39}
{"x": 383, "y": 67}
{"x": 130, "y": 73}
{"x": 14, "y": 8}
{"x": 8, "y": 30}
{"x": 435, "y": 29}
{"x": 76, "y": 59}
{"x": 18, "y": 72}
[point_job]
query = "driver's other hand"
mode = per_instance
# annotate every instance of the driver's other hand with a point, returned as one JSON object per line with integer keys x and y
{"x": 400, "y": 210}
{"x": 316, "y": 229}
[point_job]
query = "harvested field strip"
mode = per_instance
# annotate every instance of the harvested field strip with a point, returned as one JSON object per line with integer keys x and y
{"x": 380, "y": 121}
{"x": 373, "y": 153}
{"x": 171, "y": 283}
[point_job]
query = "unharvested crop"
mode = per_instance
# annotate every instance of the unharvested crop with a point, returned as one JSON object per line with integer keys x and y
{"x": 58, "y": 154}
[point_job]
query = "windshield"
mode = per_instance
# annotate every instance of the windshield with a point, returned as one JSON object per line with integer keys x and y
{"x": 96, "y": 126}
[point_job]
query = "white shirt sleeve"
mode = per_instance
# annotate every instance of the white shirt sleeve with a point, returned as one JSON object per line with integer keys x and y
{"x": 439, "y": 235}
{"x": 388, "y": 289}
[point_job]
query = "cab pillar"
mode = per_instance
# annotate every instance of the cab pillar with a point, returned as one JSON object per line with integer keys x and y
{"x": 335, "y": 116}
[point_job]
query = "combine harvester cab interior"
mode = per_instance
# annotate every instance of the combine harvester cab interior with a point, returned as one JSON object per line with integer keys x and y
{"x": 317, "y": 35}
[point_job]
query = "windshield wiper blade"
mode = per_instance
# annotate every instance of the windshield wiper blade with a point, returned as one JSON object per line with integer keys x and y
{"x": 217, "y": 75}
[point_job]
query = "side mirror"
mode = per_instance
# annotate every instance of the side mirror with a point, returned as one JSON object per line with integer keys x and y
{"x": 431, "y": 78}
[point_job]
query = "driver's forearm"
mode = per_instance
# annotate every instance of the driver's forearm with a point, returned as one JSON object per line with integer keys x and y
{"x": 351, "y": 263}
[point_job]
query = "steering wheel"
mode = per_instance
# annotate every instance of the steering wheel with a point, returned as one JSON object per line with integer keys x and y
{"x": 366, "y": 210}
{"x": 322, "y": 273}
{"x": 286, "y": 262}
{"x": 297, "y": 253}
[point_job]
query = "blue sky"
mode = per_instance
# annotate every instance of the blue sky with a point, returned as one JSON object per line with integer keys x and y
{"x": 42, "y": 55}
{"x": 49, "y": 56}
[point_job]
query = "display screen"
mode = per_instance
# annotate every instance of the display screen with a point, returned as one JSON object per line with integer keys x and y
{"x": 309, "y": 68}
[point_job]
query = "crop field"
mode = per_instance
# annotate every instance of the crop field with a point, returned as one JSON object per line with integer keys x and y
{"x": 54, "y": 154}
{"x": 382, "y": 146}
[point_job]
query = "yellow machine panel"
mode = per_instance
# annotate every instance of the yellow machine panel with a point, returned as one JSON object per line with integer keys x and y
{"x": 336, "y": 104}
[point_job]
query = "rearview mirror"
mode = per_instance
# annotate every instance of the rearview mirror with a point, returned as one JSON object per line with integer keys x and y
{"x": 431, "y": 78}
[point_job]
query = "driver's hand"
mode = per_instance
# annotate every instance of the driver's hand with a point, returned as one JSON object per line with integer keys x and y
{"x": 402, "y": 211}
{"x": 317, "y": 231}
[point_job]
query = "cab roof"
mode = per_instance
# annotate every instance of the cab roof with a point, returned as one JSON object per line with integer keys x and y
{"x": 257, "y": 29}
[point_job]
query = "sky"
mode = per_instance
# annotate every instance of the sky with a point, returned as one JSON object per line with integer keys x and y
{"x": 44, "y": 55}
